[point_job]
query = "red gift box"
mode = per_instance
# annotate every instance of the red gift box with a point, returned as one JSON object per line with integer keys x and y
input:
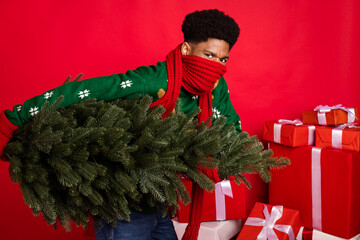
{"x": 325, "y": 115}
{"x": 217, "y": 205}
{"x": 323, "y": 184}
{"x": 337, "y": 138}
{"x": 271, "y": 222}
{"x": 289, "y": 133}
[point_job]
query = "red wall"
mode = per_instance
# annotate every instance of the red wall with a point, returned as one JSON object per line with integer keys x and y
{"x": 291, "y": 56}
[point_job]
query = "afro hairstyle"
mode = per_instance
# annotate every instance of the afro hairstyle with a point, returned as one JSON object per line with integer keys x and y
{"x": 199, "y": 26}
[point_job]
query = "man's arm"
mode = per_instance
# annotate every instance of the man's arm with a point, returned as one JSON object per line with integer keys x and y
{"x": 102, "y": 88}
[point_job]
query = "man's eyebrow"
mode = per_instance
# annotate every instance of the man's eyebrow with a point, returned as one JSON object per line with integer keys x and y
{"x": 212, "y": 53}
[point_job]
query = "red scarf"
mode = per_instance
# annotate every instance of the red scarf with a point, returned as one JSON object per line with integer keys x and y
{"x": 197, "y": 76}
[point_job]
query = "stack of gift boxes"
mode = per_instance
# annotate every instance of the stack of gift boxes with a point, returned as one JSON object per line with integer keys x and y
{"x": 317, "y": 196}
{"x": 322, "y": 182}
{"x": 223, "y": 210}
{"x": 226, "y": 202}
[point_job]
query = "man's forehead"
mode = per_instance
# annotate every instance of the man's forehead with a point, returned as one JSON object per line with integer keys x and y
{"x": 214, "y": 45}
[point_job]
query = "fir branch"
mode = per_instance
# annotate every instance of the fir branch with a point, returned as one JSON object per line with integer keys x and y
{"x": 77, "y": 78}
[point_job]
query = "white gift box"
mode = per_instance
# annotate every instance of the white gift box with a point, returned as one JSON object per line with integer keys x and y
{"x": 216, "y": 230}
{"x": 318, "y": 235}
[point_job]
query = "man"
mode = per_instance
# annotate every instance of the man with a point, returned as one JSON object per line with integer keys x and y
{"x": 192, "y": 73}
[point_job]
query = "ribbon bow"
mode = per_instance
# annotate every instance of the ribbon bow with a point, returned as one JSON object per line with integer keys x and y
{"x": 269, "y": 225}
{"x": 296, "y": 122}
{"x": 326, "y": 108}
{"x": 347, "y": 125}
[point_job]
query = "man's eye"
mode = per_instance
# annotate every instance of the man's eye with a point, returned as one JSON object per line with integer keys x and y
{"x": 208, "y": 55}
{"x": 223, "y": 60}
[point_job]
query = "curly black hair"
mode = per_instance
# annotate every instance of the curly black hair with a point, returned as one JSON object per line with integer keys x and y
{"x": 199, "y": 26}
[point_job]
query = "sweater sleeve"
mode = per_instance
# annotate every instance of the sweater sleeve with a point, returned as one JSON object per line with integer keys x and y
{"x": 102, "y": 88}
{"x": 107, "y": 88}
{"x": 222, "y": 105}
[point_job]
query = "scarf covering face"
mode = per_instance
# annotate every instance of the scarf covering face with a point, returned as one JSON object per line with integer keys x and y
{"x": 197, "y": 76}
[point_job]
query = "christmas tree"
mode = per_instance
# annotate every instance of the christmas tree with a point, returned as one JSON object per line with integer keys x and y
{"x": 105, "y": 159}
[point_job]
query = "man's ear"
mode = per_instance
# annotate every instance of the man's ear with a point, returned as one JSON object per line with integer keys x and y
{"x": 185, "y": 48}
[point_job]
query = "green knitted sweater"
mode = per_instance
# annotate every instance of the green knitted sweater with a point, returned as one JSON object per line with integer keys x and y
{"x": 150, "y": 80}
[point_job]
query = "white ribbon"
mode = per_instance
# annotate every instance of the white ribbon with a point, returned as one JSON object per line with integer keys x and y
{"x": 324, "y": 109}
{"x": 351, "y": 115}
{"x": 277, "y": 132}
{"x": 311, "y": 135}
{"x": 327, "y": 108}
{"x": 336, "y": 138}
{"x": 347, "y": 125}
{"x": 296, "y": 122}
{"x": 221, "y": 189}
{"x": 321, "y": 118}
{"x": 269, "y": 224}
{"x": 316, "y": 187}
{"x": 277, "y": 127}
{"x": 336, "y": 134}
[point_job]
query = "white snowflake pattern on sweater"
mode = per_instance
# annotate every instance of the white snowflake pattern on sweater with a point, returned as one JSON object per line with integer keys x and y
{"x": 195, "y": 97}
{"x": 33, "y": 111}
{"x": 18, "y": 108}
{"x": 48, "y": 95}
{"x": 126, "y": 84}
{"x": 84, "y": 93}
{"x": 216, "y": 113}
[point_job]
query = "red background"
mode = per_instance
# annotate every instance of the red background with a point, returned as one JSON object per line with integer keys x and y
{"x": 291, "y": 56}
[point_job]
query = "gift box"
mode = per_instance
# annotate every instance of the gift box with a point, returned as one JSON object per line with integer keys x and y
{"x": 215, "y": 230}
{"x": 290, "y": 133}
{"x": 313, "y": 234}
{"x": 325, "y": 115}
{"x": 227, "y": 201}
{"x": 338, "y": 138}
{"x": 323, "y": 184}
{"x": 271, "y": 222}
